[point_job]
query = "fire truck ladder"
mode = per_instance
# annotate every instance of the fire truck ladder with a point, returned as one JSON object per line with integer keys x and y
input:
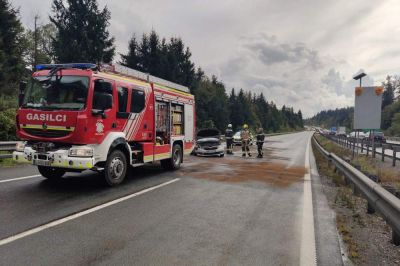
{"x": 117, "y": 69}
{"x": 126, "y": 71}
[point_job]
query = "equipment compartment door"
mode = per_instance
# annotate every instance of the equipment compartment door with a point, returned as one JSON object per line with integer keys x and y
{"x": 189, "y": 123}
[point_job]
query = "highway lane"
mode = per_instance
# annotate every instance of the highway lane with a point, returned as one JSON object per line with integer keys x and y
{"x": 198, "y": 219}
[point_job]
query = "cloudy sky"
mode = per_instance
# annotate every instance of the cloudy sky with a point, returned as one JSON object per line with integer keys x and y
{"x": 301, "y": 53}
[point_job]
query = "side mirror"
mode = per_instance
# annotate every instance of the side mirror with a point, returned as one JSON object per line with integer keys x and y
{"x": 22, "y": 87}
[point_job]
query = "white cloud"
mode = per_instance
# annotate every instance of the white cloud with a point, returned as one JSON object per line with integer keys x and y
{"x": 301, "y": 53}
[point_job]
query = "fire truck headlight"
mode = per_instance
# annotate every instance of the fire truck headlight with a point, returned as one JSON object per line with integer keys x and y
{"x": 20, "y": 146}
{"x": 81, "y": 152}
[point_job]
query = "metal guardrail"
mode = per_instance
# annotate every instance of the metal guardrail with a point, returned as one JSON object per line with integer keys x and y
{"x": 8, "y": 146}
{"x": 379, "y": 199}
{"x": 395, "y": 139}
{"x": 368, "y": 146}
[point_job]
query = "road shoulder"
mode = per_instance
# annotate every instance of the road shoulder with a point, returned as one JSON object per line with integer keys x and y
{"x": 326, "y": 234}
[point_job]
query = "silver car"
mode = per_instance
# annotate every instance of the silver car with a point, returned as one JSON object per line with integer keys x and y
{"x": 209, "y": 143}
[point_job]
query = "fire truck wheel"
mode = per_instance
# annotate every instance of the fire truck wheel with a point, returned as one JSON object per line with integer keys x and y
{"x": 174, "y": 162}
{"x": 115, "y": 168}
{"x": 52, "y": 173}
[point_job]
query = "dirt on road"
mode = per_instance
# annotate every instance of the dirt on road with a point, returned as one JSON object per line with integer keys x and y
{"x": 236, "y": 169}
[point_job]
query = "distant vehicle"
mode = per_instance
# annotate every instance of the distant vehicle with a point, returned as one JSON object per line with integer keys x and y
{"x": 209, "y": 143}
{"x": 332, "y": 131}
{"x": 237, "y": 140}
{"x": 361, "y": 135}
{"x": 378, "y": 136}
{"x": 341, "y": 132}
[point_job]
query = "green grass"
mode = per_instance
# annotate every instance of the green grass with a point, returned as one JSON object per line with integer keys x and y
{"x": 8, "y": 162}
{"x": 366, "y": 164}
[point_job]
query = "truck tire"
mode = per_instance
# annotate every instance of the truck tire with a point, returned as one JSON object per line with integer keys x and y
{"x": 174, "y": 162}
{"x": 51, "y": 173}
{"x": 116, "y": 168}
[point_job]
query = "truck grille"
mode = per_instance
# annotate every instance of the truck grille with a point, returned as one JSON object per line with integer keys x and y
{"x": 49, "y": 133}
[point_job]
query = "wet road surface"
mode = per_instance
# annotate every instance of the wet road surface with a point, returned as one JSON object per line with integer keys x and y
{"x": 213, "y": 211}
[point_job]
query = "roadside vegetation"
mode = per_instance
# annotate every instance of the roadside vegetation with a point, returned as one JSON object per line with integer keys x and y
{"x": 7, "y": 162}
{"x": 366, "y": 237}
{"x": 382, "y": 172}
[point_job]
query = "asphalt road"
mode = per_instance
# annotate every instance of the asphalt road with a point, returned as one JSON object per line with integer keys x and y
{"x": 213, "y": 211}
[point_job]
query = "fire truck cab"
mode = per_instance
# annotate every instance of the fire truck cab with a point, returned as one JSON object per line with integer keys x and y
{"x": 76, "y": 117}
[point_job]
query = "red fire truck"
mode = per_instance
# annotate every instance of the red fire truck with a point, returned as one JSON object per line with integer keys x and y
{"x": 76, "y": 117}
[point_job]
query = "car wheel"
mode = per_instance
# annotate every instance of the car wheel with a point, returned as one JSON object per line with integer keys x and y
{"x": 116, "y": 168}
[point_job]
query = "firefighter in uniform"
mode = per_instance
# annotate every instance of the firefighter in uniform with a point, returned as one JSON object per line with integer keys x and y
{"x": 245, "y": 136}
{"x": 260, "y": 142}
{"x": 229, "y": 139}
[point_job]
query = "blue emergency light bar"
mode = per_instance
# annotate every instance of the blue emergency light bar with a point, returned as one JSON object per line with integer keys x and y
{"x": 71, "y": 65}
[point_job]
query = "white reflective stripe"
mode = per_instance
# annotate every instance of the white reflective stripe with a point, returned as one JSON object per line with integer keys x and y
{"x": 80, "y": 214}
{"x": 127, "y": 125}
{"x": 19, "y": 178}
{"x": 308, "y": 254}
{"x": 141, "y": 116}
{"x": 135, "y": 124}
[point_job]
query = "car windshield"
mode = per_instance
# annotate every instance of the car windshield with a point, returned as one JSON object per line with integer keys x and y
{"x": 57, "y": 93}
{"x": 237, "y": 134}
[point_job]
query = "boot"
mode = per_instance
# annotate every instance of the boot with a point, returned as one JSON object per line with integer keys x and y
{"x": 244, "y": 155}
{"x": 249, "y": 154}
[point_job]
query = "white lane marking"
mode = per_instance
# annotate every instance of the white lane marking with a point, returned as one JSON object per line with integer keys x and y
{"x": 308, "y": 255}
{"x": 19, "y": 178}
{"x": 80, "y": 214}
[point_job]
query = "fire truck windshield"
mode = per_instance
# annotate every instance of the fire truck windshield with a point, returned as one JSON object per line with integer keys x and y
{"x": 57, "y": 93}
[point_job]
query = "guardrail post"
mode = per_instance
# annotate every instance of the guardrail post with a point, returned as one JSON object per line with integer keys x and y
{"x": 395, "y": 237}
{"x": 370, "y": 208}
{"x": 355, "y": 190}
{"x": 373, "y": 149}
{"x": 395, "y": 150}
{"x": 384, "y": 147}
{"x": 362, "y": 146}
{"x": 367, "y": 146}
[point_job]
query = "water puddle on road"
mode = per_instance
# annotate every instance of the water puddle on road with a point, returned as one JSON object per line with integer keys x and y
{"x": 243, "y": 170}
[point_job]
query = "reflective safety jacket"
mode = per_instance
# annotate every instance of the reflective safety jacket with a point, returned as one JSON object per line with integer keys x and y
{"x": 260, "y": 137}
{"x": 245, "y": 134}
{"x": 228, "y": 133}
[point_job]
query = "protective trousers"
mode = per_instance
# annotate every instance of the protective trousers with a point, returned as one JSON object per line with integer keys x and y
{"x": 245, "y": 147}
{"x": 259, "y": 149}
{"x": 229, "y": 145}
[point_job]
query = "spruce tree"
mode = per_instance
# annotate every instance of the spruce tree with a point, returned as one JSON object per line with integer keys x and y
{"x": 131, "y": 59}
{"x": 82, "y": 32}
{"x": 12, "y": 49}
{"x": 388, "y": 94}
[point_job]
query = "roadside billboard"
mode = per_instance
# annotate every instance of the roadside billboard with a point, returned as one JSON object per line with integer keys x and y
{"x": 367, "y": 108}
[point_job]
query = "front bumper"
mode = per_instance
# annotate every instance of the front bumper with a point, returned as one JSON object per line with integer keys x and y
{"x": 203, "y": 152}
{"x": 58, "y": 158}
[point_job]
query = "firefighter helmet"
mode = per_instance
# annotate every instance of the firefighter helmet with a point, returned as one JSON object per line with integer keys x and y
{"x": 229, "y": 125}
{"x": 245, "y": 126}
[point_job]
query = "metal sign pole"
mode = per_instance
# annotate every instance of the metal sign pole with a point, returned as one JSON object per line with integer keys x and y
{"x": 358, "y": 136}
{"x": 373, "y": 142}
